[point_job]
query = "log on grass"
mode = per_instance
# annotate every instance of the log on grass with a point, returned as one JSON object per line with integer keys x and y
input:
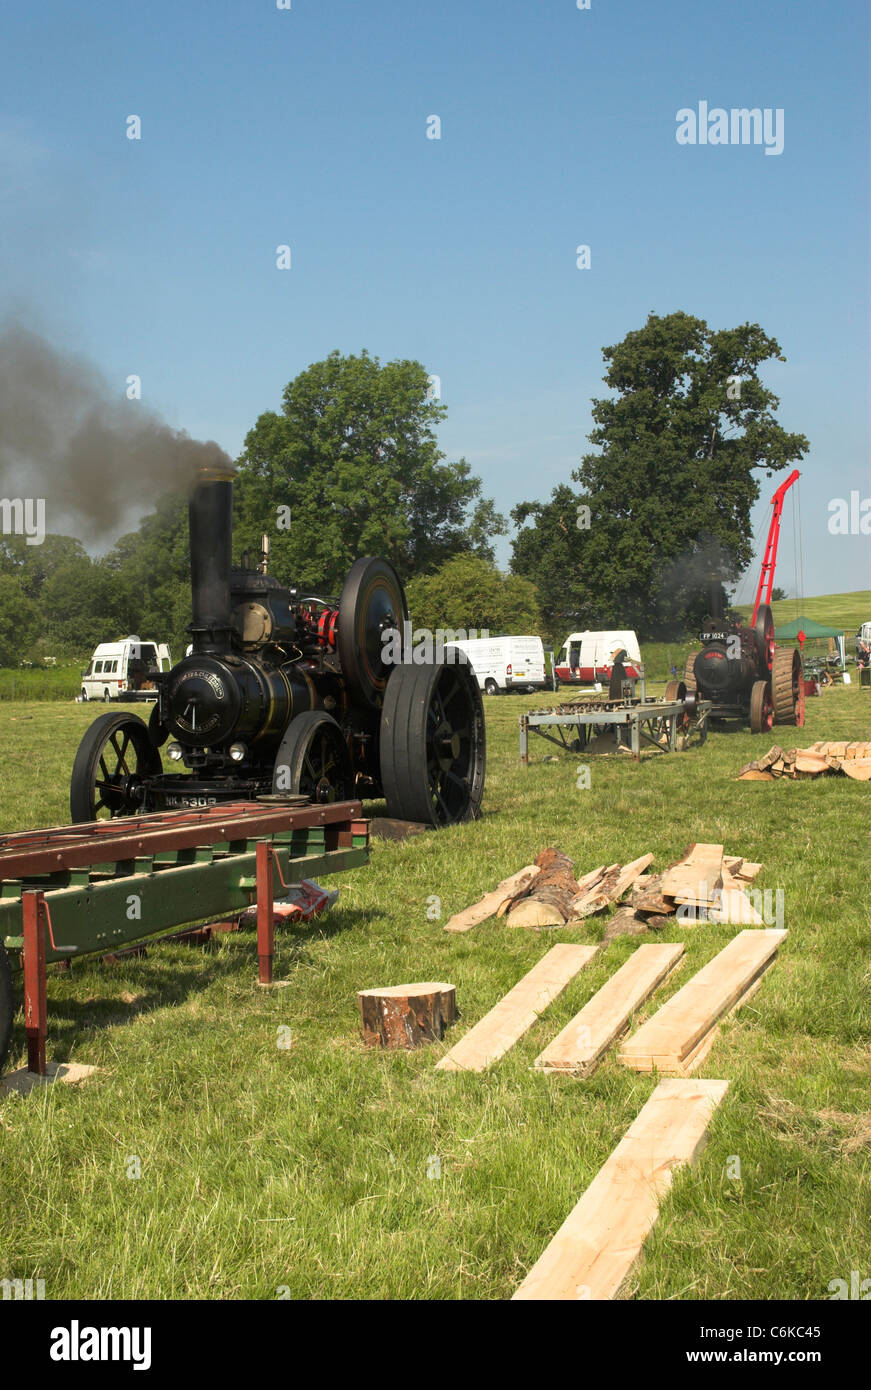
{"x": 597, "y": 898}
{"x": 489, "y": 905}
{"x": 858, "y": 769}
{"x": 554, "y": 886}
{"x": 406, "y": 1015}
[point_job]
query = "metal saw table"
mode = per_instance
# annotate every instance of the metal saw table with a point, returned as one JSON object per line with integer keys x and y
{"x": 668, "y": 726}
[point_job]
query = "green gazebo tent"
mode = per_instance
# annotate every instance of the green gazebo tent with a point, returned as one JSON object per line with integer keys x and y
{"x": 789, "y": 631}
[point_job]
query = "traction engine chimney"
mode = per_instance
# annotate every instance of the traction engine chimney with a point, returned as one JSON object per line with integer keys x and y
{"x": 210, "y": 514}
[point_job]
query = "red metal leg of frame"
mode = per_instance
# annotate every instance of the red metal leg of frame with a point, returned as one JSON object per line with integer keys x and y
{"x": 265, "y": 911}
{"x": 35, "y": 1008}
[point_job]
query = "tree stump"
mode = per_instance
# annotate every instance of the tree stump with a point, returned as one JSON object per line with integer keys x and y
{"x": 406, "y": 1015}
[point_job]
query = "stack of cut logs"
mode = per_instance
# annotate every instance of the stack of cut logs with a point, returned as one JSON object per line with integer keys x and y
{"x": 547, "y": 894}
{"x": 853, "y": 759}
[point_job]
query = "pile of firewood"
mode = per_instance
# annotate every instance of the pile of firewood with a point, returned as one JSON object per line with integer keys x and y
{"x": 547, "y": 894}
{"x": 852, "y": 759}
{"x": 705, "y": 883}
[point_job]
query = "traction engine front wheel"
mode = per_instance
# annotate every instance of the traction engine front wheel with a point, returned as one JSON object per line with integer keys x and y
{"x": 114, "y": 757}
{"x": 761, "y": 708}
{"x": 313, "y": 760}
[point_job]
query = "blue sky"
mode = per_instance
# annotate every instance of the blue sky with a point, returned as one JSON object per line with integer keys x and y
{"x": 307, "y": 126}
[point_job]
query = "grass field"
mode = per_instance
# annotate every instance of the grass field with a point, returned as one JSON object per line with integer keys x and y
{"x": 313, "y": 1169}
{"x": 846, "y": 611}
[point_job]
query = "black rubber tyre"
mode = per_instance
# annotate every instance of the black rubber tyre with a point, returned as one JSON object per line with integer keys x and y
{"x": 491, "y": 687}
{"x": 372, "y": 601}
{"x": 761, "y": 708}
{"x": 114, "y": 756}
{"x": 689, "y": 675}
{"x": 7, "y": 1005}
{"x": 787, "y": 686}
{"x": 433, "y": 746}
{"x": 107, "y": 698}
{"x": 313, "y": 760}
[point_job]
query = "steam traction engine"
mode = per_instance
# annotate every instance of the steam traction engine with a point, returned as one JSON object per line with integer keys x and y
{"x": 739, "y": 668}
{"x": 288, "y": 695}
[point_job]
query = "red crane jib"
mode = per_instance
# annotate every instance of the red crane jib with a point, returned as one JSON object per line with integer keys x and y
{"x": 770, "y": 558}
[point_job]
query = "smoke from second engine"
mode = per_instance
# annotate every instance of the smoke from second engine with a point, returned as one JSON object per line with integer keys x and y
{"x": 94, "y": 456}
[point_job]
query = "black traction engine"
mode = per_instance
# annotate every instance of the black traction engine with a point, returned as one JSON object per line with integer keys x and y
{"x": 285, "y": 695}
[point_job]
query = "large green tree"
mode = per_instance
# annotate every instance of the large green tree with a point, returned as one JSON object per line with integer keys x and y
{"x": 33, "y": 565}
{"x": 469, "y": 592}
{"x": 353, "y": 455}
{"x": 681, "y": 443}
{"x": 19, "y": 621}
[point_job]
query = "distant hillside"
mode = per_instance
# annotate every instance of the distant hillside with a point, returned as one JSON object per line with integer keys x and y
{"x": 846, "y": 611}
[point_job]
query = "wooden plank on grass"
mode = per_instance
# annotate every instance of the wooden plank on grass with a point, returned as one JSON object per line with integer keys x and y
{"x": 734, "y": 906}
{"x": 629, "y": 873}
{"x": 518, "y": 1010}
{"x": 583, "y": 1042}
{"x": 677, "y": 1029}
{"x": 489, "y": 905}
{"x": 697, "y": 877}
{"x": 747, "y": 871}
{"x": 601, "y": 1238}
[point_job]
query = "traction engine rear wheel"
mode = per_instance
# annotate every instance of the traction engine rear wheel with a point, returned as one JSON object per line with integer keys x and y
{"x": 114, "y": 756}
{"x": 432, "y": 744}
{"x": 7, "y": 1005}
{"x": 313, "y": 760}
{"x": 761, "y": 707}
{"x": 689, "y": 675}
{"x": 787, "y": 683}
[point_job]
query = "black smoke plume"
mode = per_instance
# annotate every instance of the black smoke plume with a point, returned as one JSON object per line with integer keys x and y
{"x": 67, "y": 436}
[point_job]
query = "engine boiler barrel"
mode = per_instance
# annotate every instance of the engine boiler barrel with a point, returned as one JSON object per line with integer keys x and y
{"x": 720, "y": 675}
{"x": 210, "y": 515}
{"x": 213, "y": 701}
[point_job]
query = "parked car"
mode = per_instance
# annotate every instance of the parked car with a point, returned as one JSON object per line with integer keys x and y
{"x": 125, "y": 670}
{"x": 502, "y": 664}
{"x": 587, "y": 657}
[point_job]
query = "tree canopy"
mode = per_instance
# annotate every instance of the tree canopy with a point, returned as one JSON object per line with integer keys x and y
{"x": 469, "y": 592}
{"x": 681, "y": 442}
{"x": 353, "y": 456}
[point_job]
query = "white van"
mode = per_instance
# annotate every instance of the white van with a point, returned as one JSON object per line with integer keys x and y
{"x": 504, "y": 663}
{"x": 125, "y": 670}
{"x": 586, "y": 657}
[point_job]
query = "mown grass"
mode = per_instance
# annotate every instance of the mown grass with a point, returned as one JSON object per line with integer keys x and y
{"x": 306, "y": 1168}
{"x": 846, "y": 611}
